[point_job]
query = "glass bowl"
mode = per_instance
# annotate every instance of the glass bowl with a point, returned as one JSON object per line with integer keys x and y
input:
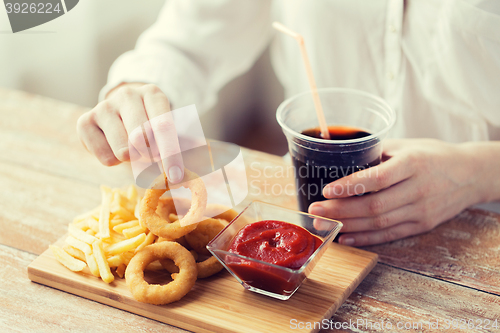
{"x": 262, "y": 277}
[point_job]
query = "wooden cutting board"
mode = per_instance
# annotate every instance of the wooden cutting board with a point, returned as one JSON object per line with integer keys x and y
{"x": 220, "y": 303}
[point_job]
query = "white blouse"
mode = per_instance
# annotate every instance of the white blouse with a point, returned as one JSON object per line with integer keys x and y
{"x": 436, "y": 62}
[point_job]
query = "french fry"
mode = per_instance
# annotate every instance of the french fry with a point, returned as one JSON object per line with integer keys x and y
{"x": 84, "y": 216}
{"x": 120, "y": 270}
{"x": 64, "y": 258}
{"x": 134, "y": 231}
{"x": 132, "y": 194}
{"x": 82, "y": 225}
{"x": 127, "y": 245}
{"x": 126, "y": 225}
{"x": 84, "y": 247}
{"x": 121, "y": 212}
{"x": 93, "y": 224}
{"x": 115, "y": 220}
{"x": 107, "y": 236}
{"x": 150, "y": 239}
{"x": 123, "y": 201}
{"x": 91, "y": 232}
{"x": 154, "y": 266}
{"x": 80, "y": 235}
{"x": 102, "y": 263}
{"x": 74, "y": 252}
{"x": 137, "y": 209}
{"x": 173, "y": 217}
{"x": 92, "y": 263}
{"x": 127, "y": 256}
{"x": 105, "y": 212}
{"x": 114, "y": 238}
{"x": 115, "y": 260}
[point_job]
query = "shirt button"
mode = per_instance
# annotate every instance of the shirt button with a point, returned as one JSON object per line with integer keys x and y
{"x": 390, "y": 76}
{"x": 392, "y": 28}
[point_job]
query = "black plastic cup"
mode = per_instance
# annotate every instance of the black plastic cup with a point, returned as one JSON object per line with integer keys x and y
{"x": 318, "y": 162}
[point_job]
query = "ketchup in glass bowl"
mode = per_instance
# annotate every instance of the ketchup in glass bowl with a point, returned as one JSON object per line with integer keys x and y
{"x": 271, "y": 250}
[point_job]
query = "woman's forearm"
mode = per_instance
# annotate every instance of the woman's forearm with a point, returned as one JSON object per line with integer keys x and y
{"x": 483, "y": 163}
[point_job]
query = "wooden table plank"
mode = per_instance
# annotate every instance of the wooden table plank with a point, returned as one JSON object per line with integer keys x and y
{"x": 391, "y": 295}
{"x": 464, "y": 250}
{"x": 30, "y": 307}
{"x": 36, "y": 208}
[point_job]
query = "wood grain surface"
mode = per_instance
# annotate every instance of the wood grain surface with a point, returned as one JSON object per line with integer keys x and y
{"x": 31, "y": 307}
{"x": 47, "y": 177}
{"x": 220, "y": 303}
{"x": 464, "y": 250}
{"x": 391, "y": 295}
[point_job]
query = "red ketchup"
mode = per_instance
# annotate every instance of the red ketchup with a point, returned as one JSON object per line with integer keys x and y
{"x": 275, "y": 242}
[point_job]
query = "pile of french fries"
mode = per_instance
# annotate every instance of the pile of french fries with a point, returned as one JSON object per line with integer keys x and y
{"x": 106, "y": 238}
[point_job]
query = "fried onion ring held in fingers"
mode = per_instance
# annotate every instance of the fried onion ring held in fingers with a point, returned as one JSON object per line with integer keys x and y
{"x": 161, "y": 294}
{"x": 161, "y": 227}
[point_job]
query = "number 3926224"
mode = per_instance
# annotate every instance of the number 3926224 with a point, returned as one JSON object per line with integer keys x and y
{"x": 32, "y": 8}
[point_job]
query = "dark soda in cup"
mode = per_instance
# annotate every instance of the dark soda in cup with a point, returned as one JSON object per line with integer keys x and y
{"x": 359, "y": 123}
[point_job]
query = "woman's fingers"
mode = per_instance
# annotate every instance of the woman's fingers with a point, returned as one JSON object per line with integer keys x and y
{"x": 134, "y": 123}
{"x": 397, "y": 231}
{"x": 133, "y": 115}
{"x": 165, "y": 141}
{"x": 379, "y": 222}
{"x": 369, "y": 205}
{"x": 376, "y": 178}
{"x": 94, "y": 140}
{"x": 115, "y": 134}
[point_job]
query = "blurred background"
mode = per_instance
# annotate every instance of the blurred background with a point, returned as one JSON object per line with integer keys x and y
{"x": 68, "y": 59}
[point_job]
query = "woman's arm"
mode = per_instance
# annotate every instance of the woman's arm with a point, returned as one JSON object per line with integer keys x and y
{"x": 421, "y": 184}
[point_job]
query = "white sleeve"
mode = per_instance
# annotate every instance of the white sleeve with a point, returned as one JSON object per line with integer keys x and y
{"x": 469, "y": 55}
{"x": 195, "y": 48}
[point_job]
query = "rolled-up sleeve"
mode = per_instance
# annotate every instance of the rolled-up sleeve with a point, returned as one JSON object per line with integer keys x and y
{"x": 195, "y": 47}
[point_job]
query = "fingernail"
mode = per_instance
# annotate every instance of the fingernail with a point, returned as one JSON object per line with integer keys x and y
{"x": 174, "y": 174}
{"x": 317, "y": 210}
{"x": 347, "y": 241}
{"x": 328, "y": 192}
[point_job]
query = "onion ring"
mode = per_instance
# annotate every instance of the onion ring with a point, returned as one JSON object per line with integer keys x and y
{"x": 182, "y": 282}
{"x": 170, "y": 266}
{"x": 197, "y": 240}
{"x": 158, "y": 225}
{"x": 208, "y": 267}
{"x": 180, "y": 240}
{"x": 228, "y": 214}
{"x": 205, "y": 231}
{"x": 204, "y": 268}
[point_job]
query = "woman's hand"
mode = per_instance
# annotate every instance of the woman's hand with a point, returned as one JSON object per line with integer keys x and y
{"x": 115, "y": 130}
{"x": 420, "y": 184}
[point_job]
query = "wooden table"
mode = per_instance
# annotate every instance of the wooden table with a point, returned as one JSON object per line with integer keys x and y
{"x": 46, "y": 178}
